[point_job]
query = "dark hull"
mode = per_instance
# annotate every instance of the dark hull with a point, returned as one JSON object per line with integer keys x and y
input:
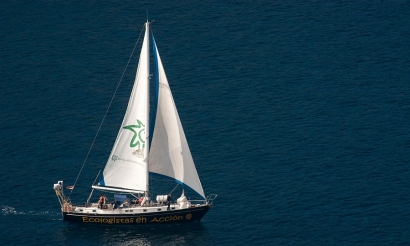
{"x": 153, "y": 218}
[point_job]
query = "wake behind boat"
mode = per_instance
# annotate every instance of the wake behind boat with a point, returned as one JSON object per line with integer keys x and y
{"x": 143, "y": 148}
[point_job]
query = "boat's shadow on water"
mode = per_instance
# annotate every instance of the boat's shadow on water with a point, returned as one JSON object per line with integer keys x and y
{"x": 175, "y": 234}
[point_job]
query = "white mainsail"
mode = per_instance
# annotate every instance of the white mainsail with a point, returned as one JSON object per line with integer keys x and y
{"x": 169, "y": 153}
{"x": 127, "y": 165}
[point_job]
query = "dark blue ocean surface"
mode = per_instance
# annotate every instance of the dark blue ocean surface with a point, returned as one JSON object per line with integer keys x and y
{"x": 296, "y": 112}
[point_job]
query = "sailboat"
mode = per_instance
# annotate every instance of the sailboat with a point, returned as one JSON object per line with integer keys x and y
{"x": 143, "y": 148}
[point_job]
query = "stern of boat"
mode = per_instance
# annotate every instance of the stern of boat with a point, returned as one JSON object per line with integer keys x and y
{"x": 65, "y": 203}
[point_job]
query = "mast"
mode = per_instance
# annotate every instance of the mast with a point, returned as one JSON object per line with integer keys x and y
{"x": 147, "y": 130}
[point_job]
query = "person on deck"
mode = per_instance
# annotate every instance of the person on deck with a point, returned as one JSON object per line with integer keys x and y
{"x": 102, "y": 201}
{"x": 169, "y": 201}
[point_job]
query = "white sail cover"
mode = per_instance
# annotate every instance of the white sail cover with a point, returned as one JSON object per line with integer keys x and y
{"x": 169, "y": 154}
{"x": 127, "y": 165}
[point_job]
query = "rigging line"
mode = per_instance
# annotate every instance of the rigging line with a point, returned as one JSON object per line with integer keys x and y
{"x": 106, "y": 112}
{"x": 175, "y": 188}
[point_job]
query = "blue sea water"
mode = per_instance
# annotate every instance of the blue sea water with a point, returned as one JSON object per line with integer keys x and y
{"x": 296, "y": 113}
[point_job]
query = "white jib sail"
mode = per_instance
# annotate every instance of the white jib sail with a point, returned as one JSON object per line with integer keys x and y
{"x": 127, "y": 165}
{"x": 169, "y": 153}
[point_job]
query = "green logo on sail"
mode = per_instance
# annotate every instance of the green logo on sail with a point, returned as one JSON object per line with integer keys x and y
{"x": 138, "y": 138}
